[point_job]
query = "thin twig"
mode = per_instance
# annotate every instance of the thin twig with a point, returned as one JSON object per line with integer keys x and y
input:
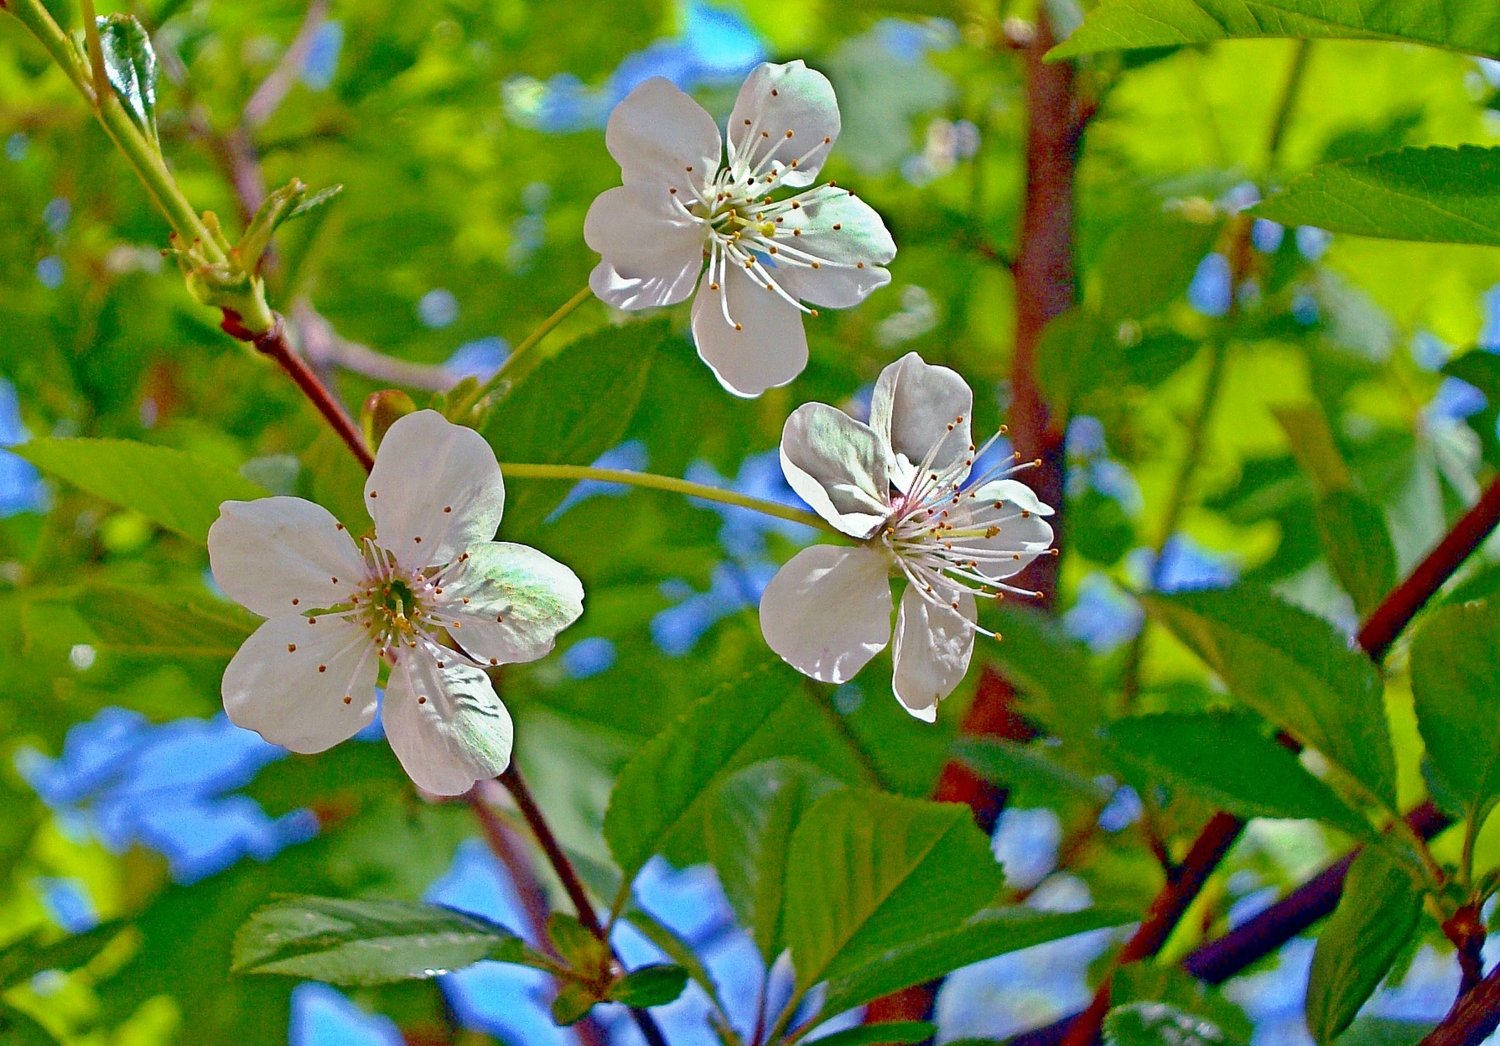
{"x": 1474, "y": 1017}
{"x": 324, "y": 347}
{"x": 274, "y": 88}
{"x": 96, "y": 51}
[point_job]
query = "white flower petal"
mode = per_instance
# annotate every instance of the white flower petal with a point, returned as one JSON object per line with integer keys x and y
{"x": 301, "y": 685}
{"x": 932, "y": 651}
{"x": 652, "y": 254}
{"x": 913, "y": 405}
{"x": 777, "y": 99}
{"x": 838, "y": 466}
{"x": 661, "y": 137}
{"x": 828, "y": 611}
{"x": 1015, "y": 530}
{"x": 848, "y": 238}
{"x": 1017, "y": 493}
{"x": 435, "y": 490}
{"x": 279, "y": 556}
{"x": 510, "y": 603}
{"x": 446, "y": 725}
{"x": 767, "y": 349}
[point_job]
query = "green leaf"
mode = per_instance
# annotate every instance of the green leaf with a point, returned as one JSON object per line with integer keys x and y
{"x": 573, "y": 941}
{"x": 675, "y": 948}
{"x": 1150, "y": 981}
{"x": 164, "y": 624}
{"x": 1455, "y": 681}
{"x": 1376, "y": 915}
{"x": 991, "y": 932}
{"x": 1434, "y": 194}
{"x": 1128, "y": 24}
{"x": 665, "y": 789}
{"x": 1295, "y": 670}
{"x": 1148, "y": 263}
{"x": 1158, "y": 1024}
{"x": 1312, "y": 443}
{"x": 18, "y": 1028}
{"x": 1052, "y": 671}
{"x": 1358, "y": 546}
{"x": 573, "y": 1000}
{"x": 654, "y": 985}
{"x": 872, "y": 1034}
{"x": 130, "y": 65}
{"x": 169, "y": 487}
{"x": 24, "y": 959}
{"x": 750, "y": 824}
{"x": 1008, "y": 763}
{"x": 573, "y": 407}
{"x": 1480, "y": 369}
{"x": 870, "y": 873}
{"x": 311, "y": 203}
{"x": 1227, "y": 760}
{"x": 368, "y": 942}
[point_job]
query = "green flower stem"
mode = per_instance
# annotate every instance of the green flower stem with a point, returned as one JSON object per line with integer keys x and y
{"x": 518, "y": 362}
{"x": 141, "y": 154}
{"x": 669, "y": 483}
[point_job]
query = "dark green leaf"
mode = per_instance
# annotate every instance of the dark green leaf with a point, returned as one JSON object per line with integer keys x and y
{"x": 1009, "y": 763}
{"x": 573, "y": 407}
{"x": 1480, "y": 369}
{"x": 164, "y": 624}
{"x": 1358, "y": 545}
{"x": 990, "y": 932}
{"x": 872, "y": 1034}
{"x": 22, "y": 1029}
{"x": 130, "y": 64}
{"x": 1052, "y": 671}
{"x": 1149, "y": 263}
{"x": 28, "y": 957}
{"x": 1150, "y": 981}
{"x": 675, "y": 948}
{"x": 1455, "y": 681}
{"x": 1376, "y": 915}
{"x": 1125, "y": 24}
{"x": 1228, "y": 760}
{"x": 669, "y": 782}
{"x": 872, "y": 873}
{"x": 173, "y": 489}
{"x": 1435, "y": 193}
{"x": 367, "y": 942}
{"x": 572, "y": 1002}
{"x": 1158, "y": 1024}
{"x": 1295, "y": 670}
{"x": 1306, "y": 428}
{"x": 649, "y": 986}
{"x": 1099, "y": 528}
{"x": 1382, "y": 1031}
{"x": 750, "y": 824}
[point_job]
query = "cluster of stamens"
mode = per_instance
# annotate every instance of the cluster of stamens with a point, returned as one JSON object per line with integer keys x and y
{"x": 744, "y": 226}
{"x": 940, "y": 529}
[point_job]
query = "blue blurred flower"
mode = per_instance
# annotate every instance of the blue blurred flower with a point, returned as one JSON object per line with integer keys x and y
{"x": 21, "y": 486}
{"x": 1124, "y": 810}
{"x": 630, "y": 456}
{"x": 1305, "y": 309}
{"x": 322, "y": 61}
{"x": 588, "y": 657}
{"x": 438, "y": 308}
{"x": 16, "y": 147}
{"x": 56, "y": 214}
{"x": 1025, "y": 843}
{"x": 1085, "y": 436}
{"x": 1184, "y": 566}
{"x": 717, "y": 47}
{"x": 49, "y": 271}
{"x": 1456, "y": 400}
{"x": 733, "y": 588}
{"x": 1104, "y": 615}
{"x": 1240, "y": 196}
{"x": 69, "y": 904}
{"x": 1489, "y": 329}
{"x": 477, "y": 359}
{"x": 126, "y": 780}
{"x": 1429, "y": 351}
{"x": 1313, "y": 241}
{"x": 1210, "y": 291}
{"x": 743, "y": 534}
{"x": 322, "y": 1016}
{"x": 1267, "y": 235}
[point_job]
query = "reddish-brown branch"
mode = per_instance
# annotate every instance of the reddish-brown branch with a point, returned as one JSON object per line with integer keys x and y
{"x": 1474, "y": 1017}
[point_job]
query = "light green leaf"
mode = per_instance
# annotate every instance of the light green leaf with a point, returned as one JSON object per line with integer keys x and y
{"x": 664, "y": 790}
{"x": 1008, "y": 763}
{"x": 368, "y": 942}
{"x": 675, "y": 948}
{"x": 130, "y": 64}
{"x": 24, "y": 959}
{"x": 1435, "y": 194}
{"x": 1115, "y": 25}
{"x": 1376, "y": 915}
{"x": 573, "y": 407}
{"x": 573, "y": 941}
{"x": 1295, "y": 670}
{"x": 872, "y": 1034}
{"x": 171, "y": 488}
{"x": 649, "y": 986}
{"x": 870, "y": 873}
{"x": 1455, "y": 681}
{"x": 750, "y": 824}
{"x": 163, "y": 624}
{"x": 1227, "y": 760}
{"x": 1312, "y": 443}
{"x": 1158, "y": 1024}
{"x": 18, "y": 1028}
{"x": 572, "y": 1001}
{"x": 1147, "y": 264}
{"x": 1358, "y": 546}
{"x": 992, "y": 931}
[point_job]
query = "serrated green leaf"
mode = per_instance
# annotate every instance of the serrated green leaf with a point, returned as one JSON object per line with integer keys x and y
{"x": 666, "y": 787}
{"x": 349, "y": 942}
{"x": 1455, "y": 681}
{"x": 649, "y": 986}
{"x": 873, "y": 1034}
{"x": 573, "y": 407}
{"x": 1358, "y": 546}
{"x": 1434, "y": 194}
{"x": 990, "y": 932}
{"x": 750, "y": 824}
{"x": 1227, "y": 760}
{"x": 1052, "y": 671}
{"x": 130, "y": 64}
{"x": 1158, "y": 1024}
{"x": 1127, "y": 24}
{"x": 1295, "y": 670}
{"x": 169, "y": 487}
{"x": 1376, "y": 915}
{"x": 871, "y": 873}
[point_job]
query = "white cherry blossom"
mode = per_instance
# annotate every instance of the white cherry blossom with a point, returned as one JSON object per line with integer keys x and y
{"x": 429, "y": 594}
{"x": 680, "y": 205}
{"x": 901, "y": 487}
